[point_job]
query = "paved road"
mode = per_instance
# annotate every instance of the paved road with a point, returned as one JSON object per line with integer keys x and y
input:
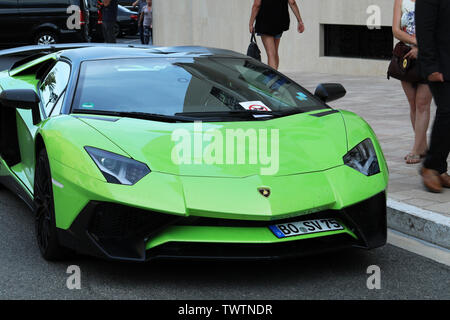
{"x": 25, "y": 275}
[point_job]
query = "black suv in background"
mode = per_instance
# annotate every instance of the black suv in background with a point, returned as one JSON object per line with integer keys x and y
{"x": 41, "y": 22}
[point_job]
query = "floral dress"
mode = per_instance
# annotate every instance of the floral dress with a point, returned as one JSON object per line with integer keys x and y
{"x": 408, "y": 22}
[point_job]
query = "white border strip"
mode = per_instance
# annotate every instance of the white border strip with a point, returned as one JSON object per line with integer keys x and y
{"x": 418, "y": 212}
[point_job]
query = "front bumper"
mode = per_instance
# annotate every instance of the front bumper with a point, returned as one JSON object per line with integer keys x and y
{"x": 120, "y": 232}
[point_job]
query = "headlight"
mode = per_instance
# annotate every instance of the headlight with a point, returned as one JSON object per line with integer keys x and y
{"x": 363, "y": 158}
{"x": 118, "y": 169}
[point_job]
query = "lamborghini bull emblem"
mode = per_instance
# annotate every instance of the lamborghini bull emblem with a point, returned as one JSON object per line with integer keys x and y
{"x": 265, "y": 192}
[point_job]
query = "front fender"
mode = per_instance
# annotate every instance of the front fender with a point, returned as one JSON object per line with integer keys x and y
{"x": 66, "y": 136}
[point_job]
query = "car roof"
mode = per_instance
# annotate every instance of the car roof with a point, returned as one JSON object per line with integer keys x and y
{"x": 118, "y": 51}
{"x": 79, "y": 52}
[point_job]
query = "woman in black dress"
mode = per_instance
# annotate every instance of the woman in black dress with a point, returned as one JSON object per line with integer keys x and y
{"x": 272, "y": 19}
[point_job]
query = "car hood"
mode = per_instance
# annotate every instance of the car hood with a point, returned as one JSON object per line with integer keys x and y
{"x": 283, "y": 146}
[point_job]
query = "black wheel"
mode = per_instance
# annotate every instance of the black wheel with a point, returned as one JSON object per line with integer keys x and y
{"x": 45, "y": 211}
{"x": 45, "y": 37}
{"x": 117, "y": 31}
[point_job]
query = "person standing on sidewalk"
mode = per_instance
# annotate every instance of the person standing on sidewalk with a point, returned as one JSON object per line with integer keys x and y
{"x": 418, "y": 93}
{"x": 109, "y": 17}
{"x": 272, "y": 19}
{"x": 140, "y": 4}
{"x": 146, "y": 19}
{"x": 433, "y": 37}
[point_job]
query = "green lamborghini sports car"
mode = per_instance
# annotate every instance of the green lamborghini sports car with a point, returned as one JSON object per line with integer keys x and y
{"x": 138, "y": 153}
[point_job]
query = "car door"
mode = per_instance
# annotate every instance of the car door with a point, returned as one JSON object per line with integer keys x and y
{"x": 9, "y": 21}
{"x": 52, "y": 92}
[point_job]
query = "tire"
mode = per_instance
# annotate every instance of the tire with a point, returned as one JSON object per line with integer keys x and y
{"x": 46, "y": 37}
{"x": 117, "y": 31}
{"x": 44, "y": 211}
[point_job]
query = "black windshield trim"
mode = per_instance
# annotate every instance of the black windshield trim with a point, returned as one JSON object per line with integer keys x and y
{"x": 135, "y": 115}
{"x": 236, "y": 116}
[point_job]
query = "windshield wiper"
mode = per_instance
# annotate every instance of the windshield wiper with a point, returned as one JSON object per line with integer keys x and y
{"x": 251, "y": 114}
{"x": 137, "y": 115}
{"x": 225, "y": 115}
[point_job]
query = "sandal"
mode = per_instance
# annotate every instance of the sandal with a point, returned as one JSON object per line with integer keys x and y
{"x": 413, "y": 158}
{"x": 422, "y": 156}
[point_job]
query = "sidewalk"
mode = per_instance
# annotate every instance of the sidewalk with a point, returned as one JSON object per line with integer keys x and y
{"x": 382, "y": 103}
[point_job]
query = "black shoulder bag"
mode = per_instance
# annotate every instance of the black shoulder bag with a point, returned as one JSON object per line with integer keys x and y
{"x": 253, "y": 50}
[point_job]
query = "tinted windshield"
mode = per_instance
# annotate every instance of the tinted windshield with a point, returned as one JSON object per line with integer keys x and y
{"x": 170, "y": 86}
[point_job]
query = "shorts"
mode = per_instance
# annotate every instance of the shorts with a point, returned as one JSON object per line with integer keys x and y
{"x": 278, "y": 36}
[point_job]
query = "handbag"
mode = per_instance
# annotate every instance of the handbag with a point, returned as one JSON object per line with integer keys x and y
{"x": 253, "y": 50}
{"x": 401, "y": 68}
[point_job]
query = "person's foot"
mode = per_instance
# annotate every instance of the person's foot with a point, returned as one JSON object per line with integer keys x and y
{"x": 432, "y": 180}
{"x": 413, "y": 158}
{"x": 445, "y": 180}
{"x": 422, "y": 155}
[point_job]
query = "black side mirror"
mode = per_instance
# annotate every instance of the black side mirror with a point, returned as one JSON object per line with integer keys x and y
{"x": 328, "y": 92}
{"x": 26, "y": 99}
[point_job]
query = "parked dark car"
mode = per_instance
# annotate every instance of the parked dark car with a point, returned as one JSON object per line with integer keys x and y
{"x": 41, "y": 22}
{"x": 127, "y": 22}
{"x": 126, "y": 2}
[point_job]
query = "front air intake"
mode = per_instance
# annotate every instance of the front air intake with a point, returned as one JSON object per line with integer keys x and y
{"x": 122, "y": 231}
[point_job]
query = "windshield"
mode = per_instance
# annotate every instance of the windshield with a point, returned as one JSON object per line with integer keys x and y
{"x": 177, "y": 86}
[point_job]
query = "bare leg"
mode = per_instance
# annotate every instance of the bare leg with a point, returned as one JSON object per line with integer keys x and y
{"x": 411, "y": 93}
{"x": 423, "y": 102}
{"x": 269, "y": 45}
{"x": 277, "y": 57}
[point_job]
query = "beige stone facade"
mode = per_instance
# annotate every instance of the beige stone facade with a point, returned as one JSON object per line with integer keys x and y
{"x": 224, "y": 24}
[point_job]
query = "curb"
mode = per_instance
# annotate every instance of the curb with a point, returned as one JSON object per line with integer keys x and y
{"x": 419, "y": 223}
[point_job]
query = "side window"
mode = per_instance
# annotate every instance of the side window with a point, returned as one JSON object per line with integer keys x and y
{"x": 54, "y": 85}
{"x": 57, "y": 109}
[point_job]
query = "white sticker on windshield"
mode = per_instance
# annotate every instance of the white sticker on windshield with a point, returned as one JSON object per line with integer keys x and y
{"x": 254, "y": 106}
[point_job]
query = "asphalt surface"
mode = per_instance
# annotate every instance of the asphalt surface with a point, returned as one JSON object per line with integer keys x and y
{"x": 340, "y": 275}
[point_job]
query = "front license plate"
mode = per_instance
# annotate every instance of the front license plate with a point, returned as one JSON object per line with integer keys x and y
{"x": 305, "y": 227}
